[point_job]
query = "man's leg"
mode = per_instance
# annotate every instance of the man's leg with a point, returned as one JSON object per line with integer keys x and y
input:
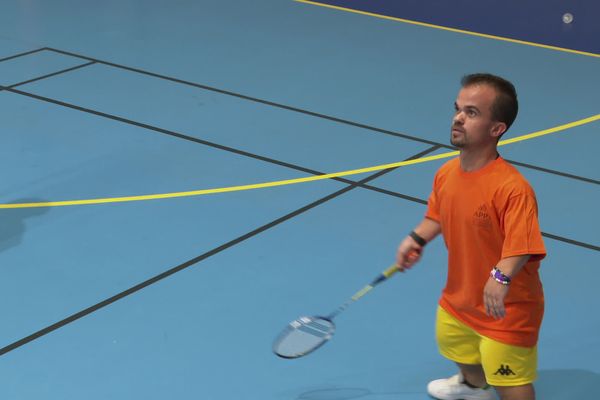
{"x": 511, "y": 370}
{"x": 473, "y": 375}
{"x": 459, "y": 343}
{"x": 523, "y": 392}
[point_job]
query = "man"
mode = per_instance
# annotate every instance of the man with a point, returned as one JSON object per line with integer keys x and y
{"x": 491, "y": 309}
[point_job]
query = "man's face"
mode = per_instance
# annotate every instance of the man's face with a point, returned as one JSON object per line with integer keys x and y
{"x": 473, "y": 125}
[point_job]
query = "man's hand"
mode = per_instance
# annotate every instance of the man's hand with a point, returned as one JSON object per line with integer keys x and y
{"x": 409, "y": 253}
{"x": 493, "y": 298}
{"x": 495, "y": 292}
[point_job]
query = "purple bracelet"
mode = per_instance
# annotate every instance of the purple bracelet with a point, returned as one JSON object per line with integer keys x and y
{"x": 499, "y": 276}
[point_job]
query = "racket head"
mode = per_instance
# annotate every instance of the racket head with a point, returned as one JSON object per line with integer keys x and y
{"x": 302, "y": 336}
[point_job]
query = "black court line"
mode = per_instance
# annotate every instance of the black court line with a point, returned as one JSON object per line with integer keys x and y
{"x": 307, "y": 112}
{"x": 551, "y": 171}
{"x": 23, "y": 54}
{"x": 571, "y": 241}
{"x": 201, "y": 141}
{"x": 249, "y": 98}
{"x": 39, "y": 78}
{"x": 251, "y": 155}
{"x": 189, "y": 263}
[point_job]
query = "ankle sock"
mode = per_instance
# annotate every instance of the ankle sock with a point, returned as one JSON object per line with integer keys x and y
{"x": 473, "y": 386}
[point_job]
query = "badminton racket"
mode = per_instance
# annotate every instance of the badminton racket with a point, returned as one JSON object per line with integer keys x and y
{"x": 306, "y": 334}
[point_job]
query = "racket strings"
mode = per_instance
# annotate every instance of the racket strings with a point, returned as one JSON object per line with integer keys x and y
{"x": 316, "y": 328}
{"x": 319, "y": 328}
{"x": 303, "y": 336}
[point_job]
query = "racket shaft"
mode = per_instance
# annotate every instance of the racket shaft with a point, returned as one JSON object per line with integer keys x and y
{"x": 362, "y": 292}
{"x": 384, "y": 275}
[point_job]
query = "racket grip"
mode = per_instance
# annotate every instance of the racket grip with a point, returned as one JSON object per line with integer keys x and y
{"x": 385, "y": 274}
{"x": 390, "y": 271}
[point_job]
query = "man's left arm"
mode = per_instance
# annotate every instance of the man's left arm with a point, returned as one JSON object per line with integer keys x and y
{"x": 498, "y": 284}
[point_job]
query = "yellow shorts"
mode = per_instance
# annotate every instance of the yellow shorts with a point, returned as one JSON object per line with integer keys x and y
{"x": 503, "y": 364}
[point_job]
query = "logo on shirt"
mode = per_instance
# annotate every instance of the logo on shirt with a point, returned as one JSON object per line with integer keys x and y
{"x": 481, "y": 217}
{"x": 504, "y": 370}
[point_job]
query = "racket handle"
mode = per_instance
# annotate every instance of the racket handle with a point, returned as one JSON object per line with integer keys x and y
{"x": 385, "y": 274}
{"x": 390, "y": 271}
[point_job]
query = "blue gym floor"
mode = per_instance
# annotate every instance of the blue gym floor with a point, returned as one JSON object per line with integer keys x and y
{"x": 180, "y": 298}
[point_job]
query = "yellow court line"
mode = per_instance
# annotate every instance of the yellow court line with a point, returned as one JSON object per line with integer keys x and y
{"x": 290, "y": 181}
{"x": 445, "y": 28}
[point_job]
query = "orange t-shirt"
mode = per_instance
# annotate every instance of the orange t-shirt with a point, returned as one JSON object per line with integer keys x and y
{"x": 485, "y": 216}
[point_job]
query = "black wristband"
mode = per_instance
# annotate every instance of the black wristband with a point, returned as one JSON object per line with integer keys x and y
{"x": 422, "y": 242}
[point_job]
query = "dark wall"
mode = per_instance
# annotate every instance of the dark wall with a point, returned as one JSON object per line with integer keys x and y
{"x": 538, "y": 21}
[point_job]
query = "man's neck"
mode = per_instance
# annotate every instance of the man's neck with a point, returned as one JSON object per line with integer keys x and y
{"x": 473, "y": 160}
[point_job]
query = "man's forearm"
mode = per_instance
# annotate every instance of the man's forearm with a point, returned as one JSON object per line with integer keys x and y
{"x": 510, "y": 266}
{"x": 428, "y": 229}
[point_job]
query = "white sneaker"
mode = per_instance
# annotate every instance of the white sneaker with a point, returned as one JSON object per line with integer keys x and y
{"x": 454, "y": 388}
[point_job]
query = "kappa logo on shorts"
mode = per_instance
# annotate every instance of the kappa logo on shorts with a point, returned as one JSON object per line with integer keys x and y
{"x": 504, "y": 370}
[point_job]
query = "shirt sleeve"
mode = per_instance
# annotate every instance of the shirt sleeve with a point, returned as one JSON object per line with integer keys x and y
{"x": 433, "y": 207}
{"x": 522, "y": 233}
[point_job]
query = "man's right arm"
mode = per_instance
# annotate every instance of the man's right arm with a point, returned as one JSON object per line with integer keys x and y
{"x": 411, "y": 248}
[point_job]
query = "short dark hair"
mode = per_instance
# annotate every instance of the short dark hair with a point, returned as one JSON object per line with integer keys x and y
{"x": 506, "y": 105}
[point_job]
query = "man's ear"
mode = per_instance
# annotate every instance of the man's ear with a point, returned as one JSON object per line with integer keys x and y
{"x": 498, "y": 129}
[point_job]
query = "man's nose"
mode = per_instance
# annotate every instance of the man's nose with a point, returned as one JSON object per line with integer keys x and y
{"x": 459, "y": 117}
